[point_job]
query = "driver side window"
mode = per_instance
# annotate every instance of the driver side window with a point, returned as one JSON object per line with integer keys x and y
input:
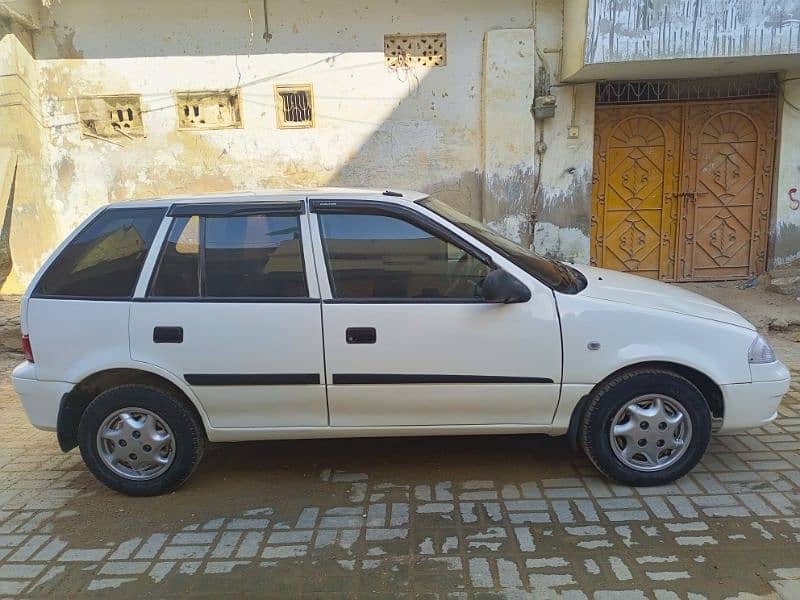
{"x": 384, "y": 257}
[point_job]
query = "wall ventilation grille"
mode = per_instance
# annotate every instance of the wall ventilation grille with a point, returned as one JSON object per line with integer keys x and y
{"x": 208, "y": 110}
{"x": 294, "y": 106}
{"x": 422, "y": 50}
{"x": 680, "y": 90}
{"x": 111, "y": 116}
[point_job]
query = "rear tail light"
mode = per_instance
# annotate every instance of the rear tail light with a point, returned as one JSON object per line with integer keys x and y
{"x": 27, "y": 351}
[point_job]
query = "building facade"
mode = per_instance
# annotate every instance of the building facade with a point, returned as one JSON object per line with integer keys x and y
{"x": 655, "y": 136}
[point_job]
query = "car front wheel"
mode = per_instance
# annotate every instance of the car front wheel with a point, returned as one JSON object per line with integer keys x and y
{"x": 140, "y": 440}
{"x": 646, "y": 427}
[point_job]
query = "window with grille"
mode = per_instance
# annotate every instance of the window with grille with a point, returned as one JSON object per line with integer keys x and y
{"x": 111, "y": 116}
{"x": 208, "y": 110}
{"x": 294, "y": 106}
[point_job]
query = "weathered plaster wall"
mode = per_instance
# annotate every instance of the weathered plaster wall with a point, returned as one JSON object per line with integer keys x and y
{"x": 375, "y": 126}
{"x": 563, "y": 202}
{"x": 508, "y": 131}
{"x": 24, "y": 12}
{"x": 28, "y": 226}
{"x": 629, "y": 30}
{"x": 787, "y": 222}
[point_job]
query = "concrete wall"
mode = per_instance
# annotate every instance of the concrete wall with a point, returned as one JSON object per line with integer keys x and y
{"x": 463, "y": 131}
{"x": 23, "y": 12}
{"x": 415, "y": 127}
{"x": 666, "y": 29}
{"x": 28, "y": 228}
{"x": 786, "y": 235}
{"x": 508, "y": 139}
{"x": 563, "y": 202}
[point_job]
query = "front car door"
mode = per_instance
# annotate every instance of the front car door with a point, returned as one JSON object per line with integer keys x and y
{"x": 408, "y": 339}
{"x": 230, "y": 308}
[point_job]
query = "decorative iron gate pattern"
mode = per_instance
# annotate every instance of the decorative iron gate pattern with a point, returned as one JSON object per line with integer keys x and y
{"x": 634, "y": 186}
{"x": 677, "y": 90}
{"x": 681, "y": 191}
{"x": 727, "y": 165}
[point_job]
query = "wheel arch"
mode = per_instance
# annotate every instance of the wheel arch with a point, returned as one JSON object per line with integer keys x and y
{"x": 74, "y": 403}
{"x": 710, "y": 390}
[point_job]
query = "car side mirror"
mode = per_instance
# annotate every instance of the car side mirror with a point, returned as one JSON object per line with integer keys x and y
{"x": 503, "y": 288}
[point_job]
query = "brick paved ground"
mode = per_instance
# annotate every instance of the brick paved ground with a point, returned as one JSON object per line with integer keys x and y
{"x": 513, "y": 516}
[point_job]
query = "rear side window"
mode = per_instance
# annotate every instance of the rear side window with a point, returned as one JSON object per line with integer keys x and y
{"x": 104, "y": 260}
{"x": 253, "y": 256}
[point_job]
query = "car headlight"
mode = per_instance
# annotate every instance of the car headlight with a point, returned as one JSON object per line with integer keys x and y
{"x": 761, "y": 352}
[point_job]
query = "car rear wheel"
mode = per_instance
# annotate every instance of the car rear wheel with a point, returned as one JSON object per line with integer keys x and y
{"x": 646, "y": 427}
{"x": 140, "y": 440}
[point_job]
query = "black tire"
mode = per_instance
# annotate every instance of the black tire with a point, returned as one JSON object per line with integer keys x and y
{"x": 189, "y": 438}
{"x": 609, "y": 398}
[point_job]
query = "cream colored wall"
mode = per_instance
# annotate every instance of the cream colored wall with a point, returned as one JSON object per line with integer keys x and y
{"x": 563, "y": 205}
{"x": 575, "y": 21}
{"x": 463, "y": 131}
{"x": 29, "y": 227}
{"x": 417, "y": 128}
{"x": 508, "y": 130}
{"x": 786, "y": 234}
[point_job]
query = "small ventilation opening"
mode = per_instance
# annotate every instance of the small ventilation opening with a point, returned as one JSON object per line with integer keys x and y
{"x": 209, "y": 110}
{"x": 294, "y": 106}
{"x": 423, "y": 50}
{"x": 111, "y": 116}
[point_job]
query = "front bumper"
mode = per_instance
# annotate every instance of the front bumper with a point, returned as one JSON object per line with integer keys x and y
{"x": 751, "y": 405}
{"x": 40, "y": 399}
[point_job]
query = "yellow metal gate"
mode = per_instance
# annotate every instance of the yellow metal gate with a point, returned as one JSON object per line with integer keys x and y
{"x": 681, "y": 190}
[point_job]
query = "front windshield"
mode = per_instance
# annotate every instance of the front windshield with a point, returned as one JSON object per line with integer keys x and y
{"x": 550, "y": 272}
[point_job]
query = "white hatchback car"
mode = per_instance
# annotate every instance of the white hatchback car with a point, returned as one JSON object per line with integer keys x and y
{"x": 162, "y": 324}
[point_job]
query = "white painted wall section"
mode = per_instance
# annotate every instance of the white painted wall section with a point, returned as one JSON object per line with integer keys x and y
{"x": 508, "y": 130}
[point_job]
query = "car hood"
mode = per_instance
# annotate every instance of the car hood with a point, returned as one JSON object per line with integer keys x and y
{"x": 614, "y": 286}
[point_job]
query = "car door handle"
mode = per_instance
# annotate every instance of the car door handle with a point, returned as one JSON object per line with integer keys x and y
{"x": 361, "y": 335}
{"x": 168, "y": 335}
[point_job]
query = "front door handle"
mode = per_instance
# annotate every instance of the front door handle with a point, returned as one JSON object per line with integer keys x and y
{"x": 361, "y": 335}
{"x": 168, "y": 335}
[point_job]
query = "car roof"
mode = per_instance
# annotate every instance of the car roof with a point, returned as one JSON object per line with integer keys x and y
{"x": 279, "y": 195}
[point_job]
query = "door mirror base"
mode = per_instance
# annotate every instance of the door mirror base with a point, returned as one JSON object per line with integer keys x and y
{"x": 501, "y": 287}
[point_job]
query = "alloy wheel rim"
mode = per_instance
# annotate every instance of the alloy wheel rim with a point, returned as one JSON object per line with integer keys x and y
{"x": 651, "y": 432}
{"x": 136, "y": 444}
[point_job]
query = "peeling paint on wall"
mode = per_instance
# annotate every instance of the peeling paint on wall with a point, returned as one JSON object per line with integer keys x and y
{"x": 787, "y": 242}
{"x": 562, "y": 228}
{"x": 31, "y": 219}
{"x": 786, "y": 235}
{"x": 415, "y": 127}
{"x": 663, "y": 29}
{"x": 510, "y": 198}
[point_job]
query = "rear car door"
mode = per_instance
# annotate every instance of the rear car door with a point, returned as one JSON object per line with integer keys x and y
{"x": 408, "y": 339}
{"x": 231, "y": 309}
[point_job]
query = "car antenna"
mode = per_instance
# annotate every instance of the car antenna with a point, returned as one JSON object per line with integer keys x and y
{"x": 393, "y": 194}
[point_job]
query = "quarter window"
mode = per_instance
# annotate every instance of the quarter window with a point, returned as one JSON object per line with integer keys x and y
{"x": 383, "y": 257}
{"x": 104, "y": 260}
{"x": 179, "y": 271}
{"x": 254, "y": 256}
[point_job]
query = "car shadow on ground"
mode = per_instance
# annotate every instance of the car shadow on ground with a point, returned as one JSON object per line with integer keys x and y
{"x": 508, "y": 458}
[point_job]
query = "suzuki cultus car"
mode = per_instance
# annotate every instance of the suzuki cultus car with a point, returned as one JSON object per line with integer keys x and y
{"x": 158, "y": 326}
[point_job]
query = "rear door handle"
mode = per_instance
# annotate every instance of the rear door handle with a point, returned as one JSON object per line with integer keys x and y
{"x": 168, "y": 335}
{"x": 361, "y": 335}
